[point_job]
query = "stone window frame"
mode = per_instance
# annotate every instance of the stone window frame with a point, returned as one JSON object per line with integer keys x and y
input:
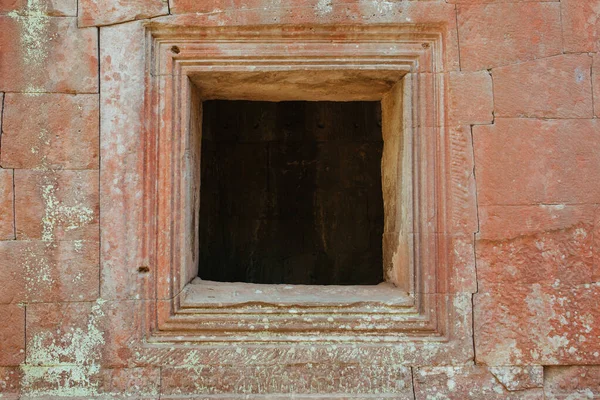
{"x": 181, "y": 56}
{"x": 143, "y": 195}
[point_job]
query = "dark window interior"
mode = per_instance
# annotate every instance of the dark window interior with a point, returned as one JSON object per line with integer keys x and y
{"x": 291, "y": 192}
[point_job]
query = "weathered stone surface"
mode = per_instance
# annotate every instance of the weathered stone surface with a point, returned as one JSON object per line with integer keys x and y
{"x": 468, "y": 382}
{"x": 121, "y": 149}
{"x": 300, "y": 379}
{"x": 554, "y": 87}
{"x": 12, "y": 335}
{"x": 61, "y": 133}
{"x": 500, "y": 223}
{"x": 462, "y": 179}
{"x": 537, "y": 223}
{"x": 108, "y": 12}
{"x": 7, "y": 218}
{"x": 56, "y": 205}
{"x": 463, "y": 276}
{"x": 498, "y": 34}
{"x": 596, "y": 245}
{"x": 470, "y": 98}
{"x": 47, "y": 54}
{"x": 552, "y": 247}
{"x": 526, "y": 324}
{"x": 526, "y": 161}
{"x": 572, "y": 382}
{"x": 35, "y": 271}
{"x": 596, "y": 82}
{"x": 117, "y": 383}
{"x": 580, "y": 21}
{"x": 515, "y": 378}
{"x": 55, "y": 8}
{"x": 10, "y": 383}
{"x": 315, "y": 12}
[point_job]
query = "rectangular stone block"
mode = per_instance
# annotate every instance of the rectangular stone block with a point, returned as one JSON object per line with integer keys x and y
{"x": 527, "y": 161}
{"x": 107, "y": 333}
{"x": 299, "y": 379}
{"x": 108, "y": 12}
{"x": 61, "y": 133}
{"x": 12, "y": 335}
{"x": 498, "y": 34}
{"x": 57, "y": 205}
{"x": 54, "y": 8}
{"x": 559, "y": 257}
{"x": 580, "y": 20}
{"x": 463, "y": 188}
{"x": 572, "y": 382}
{"x": 555, "y": 87}
{"x": 7, "y": 215}
{"x": 36, "y": 271}
{"x": 61, "y": 334}
{"x": 537, "y": 324}
{"x": 47, "y": 54}
{"x": 468, "y": 382}
{"x": 122, "y": 153}
{"x": 470, "y": 98}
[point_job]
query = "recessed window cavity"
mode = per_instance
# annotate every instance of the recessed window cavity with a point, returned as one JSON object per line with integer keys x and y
{"x": 291, "y": 192}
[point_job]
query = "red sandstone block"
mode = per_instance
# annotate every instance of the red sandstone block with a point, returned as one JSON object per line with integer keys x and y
{"x": 10, "y": 383}
{"x": 561, "y": 257}
{"x": 555, "y": 87}
{"x": 7, "y": 218}
{"x": 47, "y": 54}
{"x": 122, "y": 156}
{"x": 537, "y": 324}
{"x": 470, "y": 98}
{"x": 463, "y": 278}
{"x": 57, "y": 205}
{"x": 110, "y": 332}
{"x": 12, "y": 335}
{"x": 281, "y": 379}
{"x": 64, "y": 333}
{"x": 469, "y": 382}
{"x": 504, "y": 33}
{"x": 125, "y": 323}
{"x": 108, "y": 12}
{"x": 525, "y": 161}
{"x": 596, "y": 83}
{"x": 62, "y": 132}
{"x": 35, "y": 271}
{"x": 56, "y": 8}
{"x": 581, "y": 22}
{"x": 499, "y": 223}
{"x": 462, "y": 179}
{"x": 572, "y": 382}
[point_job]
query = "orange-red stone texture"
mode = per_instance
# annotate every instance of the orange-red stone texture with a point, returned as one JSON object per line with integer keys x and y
{"x": 521, "y": 85}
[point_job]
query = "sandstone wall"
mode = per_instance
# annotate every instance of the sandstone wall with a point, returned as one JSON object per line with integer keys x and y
{"x": 524, "y": 95}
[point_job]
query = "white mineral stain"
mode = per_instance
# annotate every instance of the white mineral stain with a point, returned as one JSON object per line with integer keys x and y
{"x": 71, "y": 217}
{"x": 48, "y": 374}
{"x": 34, "y": 37}
{"x": 323, "y": 7}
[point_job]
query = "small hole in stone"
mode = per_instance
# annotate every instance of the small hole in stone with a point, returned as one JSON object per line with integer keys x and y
{"x": 425, "y": 45}
{"x": 144, "y": 269}
{"x": 175, "y": 49}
